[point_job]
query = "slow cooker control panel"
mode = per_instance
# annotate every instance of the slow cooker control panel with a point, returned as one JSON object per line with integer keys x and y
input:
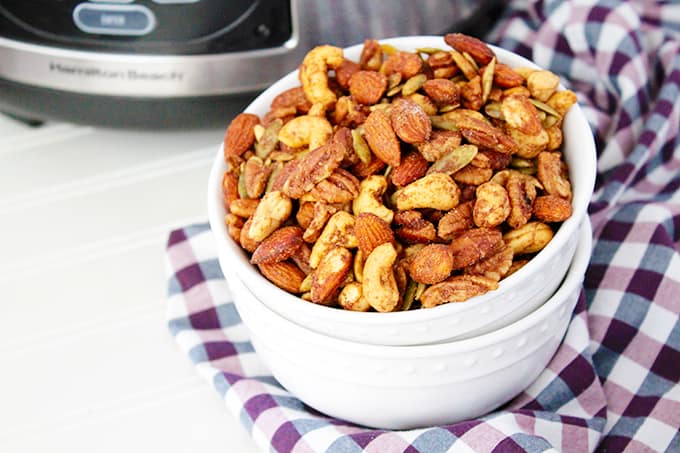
{"x": 149, "y": 26}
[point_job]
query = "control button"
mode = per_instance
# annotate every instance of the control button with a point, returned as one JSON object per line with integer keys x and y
{"x": 125, "y": 20}
{"x": 168, "y": 2}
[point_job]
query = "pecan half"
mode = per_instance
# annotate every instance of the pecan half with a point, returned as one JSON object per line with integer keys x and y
{"x": 457, "y": 289}
{"x": 474, "y": 245}
{"x": 316, "y": 166}
{"x": 455, "y": 221}
{"x": 553, "y": 174}
{"x": 412, "y": 228}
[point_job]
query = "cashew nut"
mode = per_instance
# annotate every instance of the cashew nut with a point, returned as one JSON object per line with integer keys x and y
{"x": 274, "y": 209}
{"x": 339, "y": 231}
{"x": 436, "y": 191}
{"x": 350, "y": 298}
{"x": 379, "y": 286}
{"x": 529, "y": 238}
{"x": 370, "y": 198}
{"x": 314, "y": 74}
{"x": 306, "y": 130}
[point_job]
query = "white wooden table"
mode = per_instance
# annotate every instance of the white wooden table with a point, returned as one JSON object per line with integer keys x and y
{"x": 87, "y": 363}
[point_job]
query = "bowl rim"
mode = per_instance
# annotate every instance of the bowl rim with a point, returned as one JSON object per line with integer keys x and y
{"x": 572, "y": 280}
{"x": 252, "y": 278}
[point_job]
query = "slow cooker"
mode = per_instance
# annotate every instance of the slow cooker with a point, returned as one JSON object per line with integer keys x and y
{"x": 185, "y": 63}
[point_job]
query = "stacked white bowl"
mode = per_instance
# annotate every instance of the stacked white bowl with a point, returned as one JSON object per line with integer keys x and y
{"x": 420, "y": 367}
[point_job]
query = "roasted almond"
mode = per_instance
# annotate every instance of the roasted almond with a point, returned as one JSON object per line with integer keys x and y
{"x": 278, "y": 246}
{"x": 293, "y": 97}
{"x": 477, "y": 49}
{"x": 371, "y": 231}
{"x": 551, "y": 208}
{"x": 345, "y": 71}
{"x": 283, "y": 274}
{"x": 506, "y": 77}
{"x": 240, "y": 135}
{"x": 412, "y": 166}
{"x": 381, "y": 138}
{"x": 410, "y": 122}
{"x": 442, "y": 91}
{"x": 367, "y": 87}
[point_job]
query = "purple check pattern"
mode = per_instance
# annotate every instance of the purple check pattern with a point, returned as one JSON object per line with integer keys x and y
{"x": 613, "y": 385}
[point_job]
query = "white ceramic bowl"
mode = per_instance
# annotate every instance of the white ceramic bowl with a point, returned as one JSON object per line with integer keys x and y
{"x": 402, "y": 387}
{"x": 516, "y": 296}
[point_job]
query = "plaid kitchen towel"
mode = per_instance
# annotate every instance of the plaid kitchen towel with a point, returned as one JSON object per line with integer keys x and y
{"x": 613, "y": 384}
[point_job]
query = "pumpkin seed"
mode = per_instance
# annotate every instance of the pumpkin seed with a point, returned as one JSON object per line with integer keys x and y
{"x": 258, "y": 130}
{"x": 464, "y": 64}
{"x": 454, "y": 160}
{"x": 394, "y": 91}
{"x": 545, "y": 107}
{"x": 393, "y": 80}
{"x": 387, "y": 171}
{"x": 360, "y": 146}
{"x": 358, "y": 266}
{"x": 388, "y": 49}
{"x": 276, "y": 168}
{"x": 472, "y": 61}
{"x": 520, "y": 162}
{"x": 549, "y": 121}
{"x": 527, "y": 171}
{"x": 487, "y": 79}
{"x": 493, "y": 109}
{"x": 441, "y": 122}
{"x": 306, "y": 284}
{"x": 413, "y": 84}
{"x": 428, "y": 50}
{"x": 269, "y": 139}
{"x": 409, "y": 294}
{"x": 242, "y": 192}
{"x": 448, "y": 108}
{"x": 280, "y": 156}
{"x": 420, "y": 290}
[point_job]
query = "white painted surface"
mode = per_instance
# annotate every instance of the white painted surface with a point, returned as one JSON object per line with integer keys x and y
{"x": 87, "y": 361}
